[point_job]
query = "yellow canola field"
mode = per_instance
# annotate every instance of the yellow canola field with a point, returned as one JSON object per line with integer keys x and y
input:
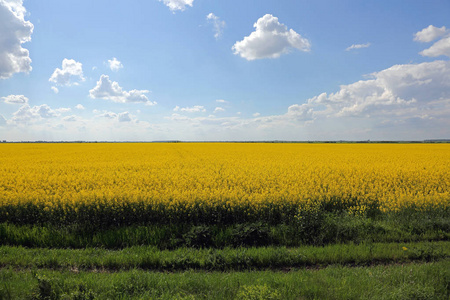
{"x": 231, "y": 175}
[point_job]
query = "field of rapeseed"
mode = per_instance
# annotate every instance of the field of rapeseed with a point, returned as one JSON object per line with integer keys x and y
{"x": 215, "y": 183}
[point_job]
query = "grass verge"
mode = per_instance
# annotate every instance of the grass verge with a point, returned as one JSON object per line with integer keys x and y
{"x": 408, "y": 281}
{"x": 238, "y": 259}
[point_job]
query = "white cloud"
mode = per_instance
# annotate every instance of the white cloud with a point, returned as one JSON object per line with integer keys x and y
{"x": 45, "y": 123}
{"x": 124, "y": 117}
{"x": 119, "y": 117}
{"x": 358, "y": 46}
{"x": 256, "y": 114}
{"x": 430, "y": 34}
{"x": 55, "y": 89}
{"x": 177, "y": 4}
{"x": 15, "y": 99}
{"x": 63, "y": 109}
{"x": 222, "y": 101}
{"x": 300, "y": 112}
{"x": 72, "y": 118}
{"x": 71, "y": 70}
{"x": 26, "y": 113}
{"x": 410, "y": 101}
{"x": 44, "y": 111}
{"x": 441, "y": 47}
{"x": 218, "y": 24}
{"x": 110, "y": 90}
{"x": 79, "y": 106}
{"x": 107, "y": 114}
{"x": 76, "y": 128}
{"x": 114, "y": 64}
{"x": 401, "y": 91}
{"x": 194, "y": 109}
{"x": 219, "y": 109}
{"x": 270, "y": 40}
{"x": 14, "y": 31}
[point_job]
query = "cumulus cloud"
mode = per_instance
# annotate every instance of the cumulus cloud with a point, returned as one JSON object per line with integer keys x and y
{"x": 63, "y": 109}
{"x": 401, "y": 90}
{"x": 124, "y": 117}
{"x": 72, "y": 118}
{"x": 26, "y": 113}
{"x": 110, "y": 90}
{"x": 270, "y": 40}
{"x": 219, "y": 109}
{"x": 120, "y": 117}
{"x": 193, "y": 109}
{"x": 430, "y": 34}
{"x": 55, "y": 89}
{"x": 14, "y": 31}
{"x": 410, "y": 101}
{"x": 79, "y": 106}
{"x": 222, "y": 101}
{"x": 387, "y": 105}
{"x": 114, "y": 64}
{"x": 74, "y": 127}
{"x": 301, "y": 112}
{"x": 441, "y": 47}
{"x": 15, "y": 99}
{"x": 106, "y": 114}
{"x": 70, "y": 74}
{"x": 358, "y": 46}
{"x": 175, "y": 5}
{"x": 218, "y": 24}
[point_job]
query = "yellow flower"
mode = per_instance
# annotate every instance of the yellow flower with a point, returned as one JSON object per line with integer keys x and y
{"x": 237, "y": 178}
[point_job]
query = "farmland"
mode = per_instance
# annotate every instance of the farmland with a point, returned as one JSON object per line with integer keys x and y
{"x": 228, "y": 199}
{"x": 215, "y": 183}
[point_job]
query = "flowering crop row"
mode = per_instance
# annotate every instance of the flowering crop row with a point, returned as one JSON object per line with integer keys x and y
{"x": 216, "y": 182}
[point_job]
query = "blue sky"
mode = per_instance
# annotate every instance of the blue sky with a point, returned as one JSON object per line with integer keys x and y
{"x": 224, "y": 70}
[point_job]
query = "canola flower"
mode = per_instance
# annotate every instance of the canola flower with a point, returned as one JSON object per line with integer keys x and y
{"x": 216, "y": 182}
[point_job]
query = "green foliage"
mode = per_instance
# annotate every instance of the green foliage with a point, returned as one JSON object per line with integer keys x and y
{"x": 5, "y": 286}
{"x": 82, "y": 293}
{"x": 308, "y": 225}
{"x": 315, "y": 225}
{"x": 5, "y": 291}
{"x": 45, "y": 289}
{"x": 420, "y": 221}
{"x": 132, "y": 285}
{"x": 252, "y": 234}
{"x": 257, "y": 292}
{"x": 199, "y": 237}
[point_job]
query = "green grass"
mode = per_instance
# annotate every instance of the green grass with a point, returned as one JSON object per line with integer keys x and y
{"x": 408, "y": 281}
{"x": 323, "y": 254}
{"x": 243, "y": 258}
